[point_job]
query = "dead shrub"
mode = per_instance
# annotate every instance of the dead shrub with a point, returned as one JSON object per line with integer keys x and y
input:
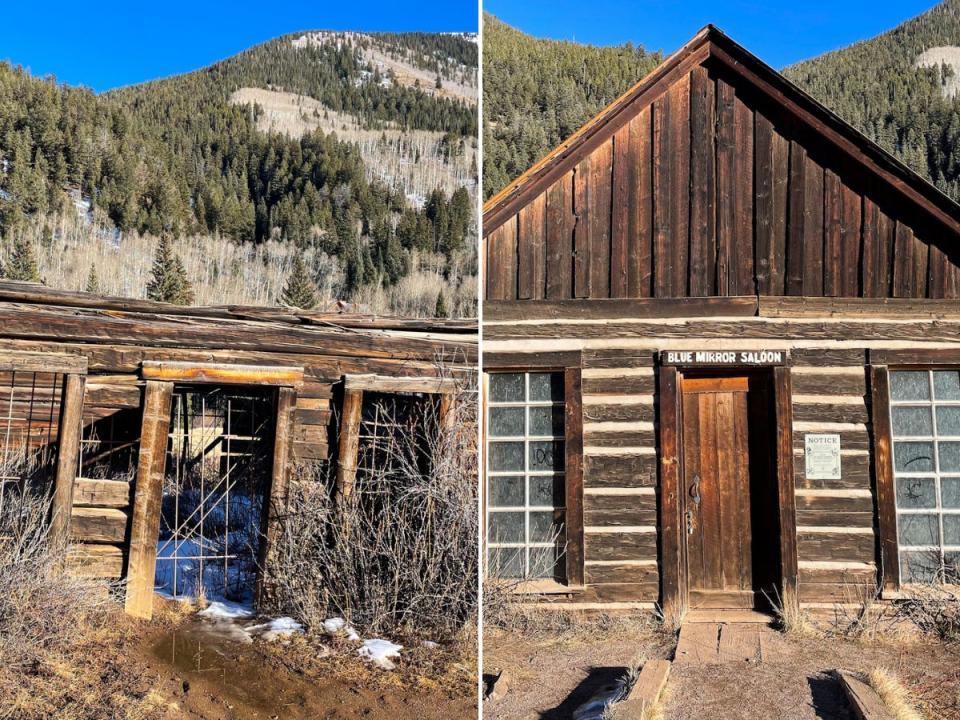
{"x": 933, "y": 608}
{"x": 400, "y": 553}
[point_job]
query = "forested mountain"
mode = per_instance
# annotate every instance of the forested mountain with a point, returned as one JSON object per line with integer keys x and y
{"x": 900, "y": 89}
{"x": 897, "y": 90}
{"x": 182, "y": 157}
{"x": 537, "y": 92}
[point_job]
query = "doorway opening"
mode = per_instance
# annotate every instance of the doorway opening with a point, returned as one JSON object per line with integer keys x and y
{"x": 215, "y": 487}
{"x": 729, "y": 490}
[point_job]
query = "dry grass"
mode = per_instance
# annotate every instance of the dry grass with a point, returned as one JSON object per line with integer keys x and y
{"x": 893, "y": 694}
{"x": 789, "y": 617}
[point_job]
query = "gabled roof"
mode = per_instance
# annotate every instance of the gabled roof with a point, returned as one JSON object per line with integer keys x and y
{"x": 712, "y": 44}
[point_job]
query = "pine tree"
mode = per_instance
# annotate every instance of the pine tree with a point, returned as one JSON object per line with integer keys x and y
{"x": 93, "y": 281}
{"x": 440, "y": 311}
{"x": 22, "y": 265}
{"x": 299, "y": 292}
{"x": 168, "y": 281}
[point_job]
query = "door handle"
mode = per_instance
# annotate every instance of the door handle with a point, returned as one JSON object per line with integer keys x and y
{"x": 695, "y": 490}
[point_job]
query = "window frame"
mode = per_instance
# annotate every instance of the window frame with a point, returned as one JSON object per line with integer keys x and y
{"x": 569, "y": 363}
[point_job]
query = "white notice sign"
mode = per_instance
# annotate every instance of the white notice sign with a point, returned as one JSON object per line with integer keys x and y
{"x": 822, "y": 455}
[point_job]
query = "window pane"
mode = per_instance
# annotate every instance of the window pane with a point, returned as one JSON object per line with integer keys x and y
{"x": 545, "y": 387}
{"x": 948, "y": 420}
{"x": 545, "y": 562}
{"x": 951, "y": 529}
{"x": 946, "y": 384}
{"x": 918, "y": 530}
{"x": 547, "y": 491}
{"x": 911, "y": 385}
{"x": 949, "y": 456}
{"x": 506, "y": 387}
{"x": 547, "y": 420}
{"x": 916, "y": 493}
{"x": 506, "y": 563}
{"x": 913, "y": 456}
{"x": 546, "y": 455}
{"x": 950, "y": 492}
{"x": 506, "y": 456}
{"x": 912, "y": 421}
{"x": 506, "y": 421}
{"x": 505, "y": 527}
{"x": 544, "y": 526}
{"x": 506, "y": 491}
{"x": 919, "y": 567}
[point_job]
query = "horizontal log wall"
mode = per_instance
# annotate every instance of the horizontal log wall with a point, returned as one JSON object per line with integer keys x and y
{"x": 712, "y": 190}
{"x": 836, "y": 519}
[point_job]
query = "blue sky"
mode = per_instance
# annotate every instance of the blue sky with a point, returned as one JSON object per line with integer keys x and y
{"x": 108, "y": 44}
{"x": 779, "y": 32}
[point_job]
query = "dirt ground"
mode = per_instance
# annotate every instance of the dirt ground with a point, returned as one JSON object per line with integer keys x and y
{"x": 550, "y": 675}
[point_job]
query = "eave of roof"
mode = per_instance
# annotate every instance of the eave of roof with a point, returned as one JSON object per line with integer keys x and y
{"x": 712, "y": 43}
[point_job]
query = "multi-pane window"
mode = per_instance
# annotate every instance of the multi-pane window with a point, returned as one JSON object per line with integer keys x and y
{"x": 525, "y": 480}
{"x": 925, "y": 417}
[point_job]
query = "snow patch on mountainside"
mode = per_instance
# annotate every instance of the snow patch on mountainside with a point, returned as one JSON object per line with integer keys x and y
{"x": 945, "y": 55}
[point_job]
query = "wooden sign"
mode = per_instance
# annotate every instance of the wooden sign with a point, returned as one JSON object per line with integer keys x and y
{"x": 822, "y": 457}
{"x": 721, "y": 358}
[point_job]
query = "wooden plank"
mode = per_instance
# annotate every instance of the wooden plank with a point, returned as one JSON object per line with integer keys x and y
{"x": 582, "y": 252}
{"x": 679, "y": 169}
{"x": 883, "y": 472}
{"x": 698, "y": 643}
{"x": 672, "y": 577}
{"x": 620, "y": 546}
{"x": 780, "y": 160}
{"x": 102, "y": 493}
{"x": 937, "y": 279}
{"x": 921, "y": 265}
{"x": 24, "y": 361}
{"x": 601, "y": 199}
{"x": 832, "y": 241}
{"x": 68, "y": 454}
{"x": 763, "y": 204}
{"x": 624, "y": 169}
{"x": 813, "y": 229}
{"x": 726, "y": 188}
{"x": 864, "y": 700}
{"x": 221, "y": 374}
{"x": 903, "y": 262}
{"x": 531, "y": 267}
{"x": 662, "y": 194}
{"x": 796, "y": 238}
{"x": 559, "y": 227}
{"x": 641, "y": 257}
{"x": 501, "y": 251}
{"x": 102, "y": 561}
{"x": 703, "y": 241}
{"x": 620, "y": 471}
{"x": 145, "y": 523}
{"x": 349, "y": 443}
{"x": 277, "y": 500}
{"x": 573, "y": 473}
{"x": 834, "y": 546}
{"x": 886, "y": 227}
{"x": 851, "y": 241}
{"x": 786, "y": 495}
{"x": 869, "y": 271}
{"x": 98, "y": 525}
{"x": 111, "y": 396}
{"x": 744, "y": 306}
{"x": 646, "y": 691}
{"x": 384, "y": 383}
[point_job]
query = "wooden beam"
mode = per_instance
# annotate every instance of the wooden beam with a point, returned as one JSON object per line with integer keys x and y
{"x": 349, "y": 442}
{"x": 673, "y": 579}
{"x": 883, "y": 472}
{"x": 68, "y": 455}
{"x": 919, "y": 356}
{"x": 385, "y": 383}
{"x": 222, "y": 374}
{"x": 613, "y": 309}
{"x": 786, "y": 499}
{"x": 573, "y": 473}
{"x": 277, "y": 503}
{"x": 20, "y": 361}
{"x": 145, "y": 526}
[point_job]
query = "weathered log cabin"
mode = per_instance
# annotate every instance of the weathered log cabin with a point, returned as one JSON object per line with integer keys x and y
{"x": 168, "y": 434}
{"x": 721, "y": 354}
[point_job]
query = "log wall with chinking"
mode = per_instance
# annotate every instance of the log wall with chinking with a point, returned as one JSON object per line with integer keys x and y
{"x": 618, "y": 343}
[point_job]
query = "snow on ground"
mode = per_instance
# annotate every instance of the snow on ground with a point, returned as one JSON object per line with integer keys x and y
{"x": 338, "y": 626}
{"x": 379, "y": 652}
{"x": 226, "y": 610}
{"x": 945, "y": 55}
{"x": 276, "y": 629}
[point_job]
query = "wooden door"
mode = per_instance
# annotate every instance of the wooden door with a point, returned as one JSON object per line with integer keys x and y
{"x": 716, "y": 497}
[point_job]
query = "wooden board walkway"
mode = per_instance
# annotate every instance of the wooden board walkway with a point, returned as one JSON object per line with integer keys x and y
{"x": 720, "y": 643}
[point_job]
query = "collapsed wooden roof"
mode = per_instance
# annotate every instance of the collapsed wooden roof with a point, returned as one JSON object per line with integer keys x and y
{"x": 715, "y": 175}
{"x": 29, "y": 311}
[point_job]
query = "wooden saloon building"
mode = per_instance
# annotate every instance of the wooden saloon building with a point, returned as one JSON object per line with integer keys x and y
{"x": 721, "y": 354}
{"x": 169, "y": 434}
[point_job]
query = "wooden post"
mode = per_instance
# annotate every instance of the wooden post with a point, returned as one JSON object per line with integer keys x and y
{"x": 573, "y": 474}
{"x": 71, "y": 421}
{"x": 145, "y": 527}
{"x": 673, "y": 580}
{"x": 786, "y": 495}
{"x": 279, "y": 493}
{"x": 883, "y": 472}
{"x": 349, "y": 442}
{"x": 446, "y": 416}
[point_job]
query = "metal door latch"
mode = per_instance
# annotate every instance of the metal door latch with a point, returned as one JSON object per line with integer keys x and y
{"x": 695, "y": 490}
{"x": 689, "y": 522}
